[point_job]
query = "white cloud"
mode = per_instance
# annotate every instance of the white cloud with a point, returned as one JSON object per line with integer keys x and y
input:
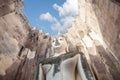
{"x": 67, "y": 21}
{"x": 56, "y": 26}
{"x": 67, "y": 13}
{"x": 63, "y": 24}
{"x": 47, "y": 16}
{"x": 70, "y": 7}
{"x": 59, "y": 27}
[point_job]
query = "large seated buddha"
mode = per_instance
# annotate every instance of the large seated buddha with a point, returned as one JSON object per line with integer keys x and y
{"x": 64, "y": 65}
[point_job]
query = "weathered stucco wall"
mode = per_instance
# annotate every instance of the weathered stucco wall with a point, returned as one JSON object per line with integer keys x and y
{"x": 103, "y": 16}
{"x": 20, "y": 46}
{"x": 96, "y": 32}
{"x": 13, "y": 27}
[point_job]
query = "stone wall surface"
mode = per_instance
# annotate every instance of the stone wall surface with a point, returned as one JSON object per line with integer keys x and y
{"x": 96, "y": 33}
{"x": 21, "y": 46}
{"x": 103, "y": 17}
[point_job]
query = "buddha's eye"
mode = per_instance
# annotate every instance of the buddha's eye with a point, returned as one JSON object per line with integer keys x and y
{"x": 53, "y": 41}
{"x": 60, "y": 39}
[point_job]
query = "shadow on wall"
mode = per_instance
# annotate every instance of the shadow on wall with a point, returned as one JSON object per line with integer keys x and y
{"x": 108, "y": 16}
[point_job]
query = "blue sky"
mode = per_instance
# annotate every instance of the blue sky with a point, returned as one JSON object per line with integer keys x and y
{"x": 51, "y": 16}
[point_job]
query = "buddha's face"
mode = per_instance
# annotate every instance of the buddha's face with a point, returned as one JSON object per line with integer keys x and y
{"x": 58, "y": 41}
{"x": 59, "y": 44}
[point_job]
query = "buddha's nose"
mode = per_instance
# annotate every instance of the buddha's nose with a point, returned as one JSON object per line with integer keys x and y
{"x": 57, "y": 43}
